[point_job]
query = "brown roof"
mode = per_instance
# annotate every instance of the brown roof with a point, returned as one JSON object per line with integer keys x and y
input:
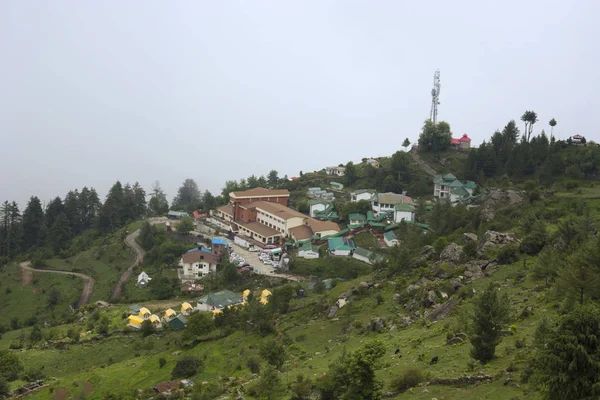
{"x": 394, "y": 198}
{"x": 276, "y": 209}
{"x": 228, "y": 209}
{"x": 320, "y": 226}
{"x": 261, "y": 192}
{"x": 196, "y": 256}
{"x": 259, "y": 228}
{"x": 301, "y": 232}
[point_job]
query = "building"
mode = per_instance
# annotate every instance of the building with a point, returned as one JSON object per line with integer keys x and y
{"x": 178, "y": 322}
{"x": 135, "y": 309}
{"x": 219, "y": 247}
{"x": 327, "y": 196}
{"x": 243, "y": 198}
{"x": 365, "y": 255}
{"x": 312, "y": 190}
{"x": 218, "y": 300}
{"x": 336, "y": 185}
{"x": 144, "y": 313}
{"x": 198, "y": 216}
{"x": 362, "y": 194}
{"x": 391, "y": 239}
{"x": 135, "y": 321}
{"x": 336, "y": 171}
{"x": 322, "y": 228}
{"x": 463, "y": 143}
{"x": 168, "y": 314}
{"x": 195, "y": 264}
{"x": 404, "y": 212}
{"x": 300, "y": 233}
{"x": 317, "y": 206}
{"x": 308, "y": 250}
{"x": 155, "y": 320}
{"x": 340, "y": 246}
{"x": 576, "y": 139}
{"x": 449, "y": 187}
{"x": 373, "y": 163}
{"x": 385, "y": 202}
{"x": 177, "y": 214}
{"x": 356, "y": 219}
{"x": 186, "y": 308}
{"x": 143, "y": 280}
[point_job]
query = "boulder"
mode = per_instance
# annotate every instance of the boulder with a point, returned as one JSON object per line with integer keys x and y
{"x": 412, "y": 288}
{"x": 363, "y": 285}
{"x": 427, "y": 254}
{"x": 396, "y": 297}
{"x": 377, "y": 324}
{"x": 406, "y": 321}
{"x": 443, "y": 310}
{"x": 454, "y": 340}
{"x": 469, "y": 237}
{"x": 455, "y": 284}
{"x": 332, "y": 311}
{"x": 431, "y": 299}
{"x": 475, "y": 269}
{"x": 452, "y": 254}
{"x": 493, "y": 239}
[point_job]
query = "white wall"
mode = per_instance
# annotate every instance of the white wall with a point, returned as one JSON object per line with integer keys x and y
{"x": 403, "y": 215}
{"x": 241, "y": 242}
{"x": 316, "y": 207}
{"x": 362, "y": 196}
{"x": 308, "y": 254}
{"x": 361, "y": 258}
{"x": 341, "y": 252}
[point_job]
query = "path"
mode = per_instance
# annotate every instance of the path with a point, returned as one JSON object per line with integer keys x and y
{"x": 88, "y": 281}
{"x": 131, "y": 242}
{"x": 422, "y": 164}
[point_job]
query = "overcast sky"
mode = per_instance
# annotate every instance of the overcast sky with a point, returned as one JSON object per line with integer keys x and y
{"x": 92, "y": 92}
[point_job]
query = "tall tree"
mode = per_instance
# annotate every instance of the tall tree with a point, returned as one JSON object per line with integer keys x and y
{"x": 489, "y": 318}
{"x": 208, "y": 201}
{"x": 552, "y": 124}
{"x": 580, "y": 279}
{"x": 110, "y": 215}
{"x": 405, "y": 144}
{"x": 188, "y": 196}
{"x": 139, "y": 196}
{"x": 435, "y": 138}
{"x": 128, "y": 210}
{"x": 72, "y": 210}
{"x": 53, "y": 210}
{"x": 273, "y": 178}
{"x": 350, "y": 173}
{"x": 60, "y": 234}
{"x": 158, "y": 204}
{"x": 33, "y": 220}
{"x": 530, "y": 118}
{"x": 89, "y": 207}
{"x": 230, "y": 186}
{"x": 11, "y": 230}
{"x": 252, "y": 182}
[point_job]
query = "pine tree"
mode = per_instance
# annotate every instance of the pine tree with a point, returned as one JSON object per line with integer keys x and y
{"x": 188, "y": 196}
{"x": 139, "y": 195}
{"x": 489, "y": 318}
{"x": 33, "y": 220}
{"x": 53, "y": 210}
{"x": 60, "y": 234}
{"x": 72, "y": 211}
{"x": 158, "y": 204}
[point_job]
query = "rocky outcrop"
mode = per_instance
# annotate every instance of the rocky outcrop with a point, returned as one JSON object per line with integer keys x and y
{"x": 479, "y": 269}
{"x": 427, "y": 254}
{"x": 457, "y": 338}
{"x": 377, "y": 324}
{"x": 469, "y": 237}
{"x": 452, "y": 254}
{"x": 496, "y": 198}
{"x": 443, "y": 310}
{"x": 461, "y": 379}
{"x": 406, "y": 321}
{"x": 493, "y": 239}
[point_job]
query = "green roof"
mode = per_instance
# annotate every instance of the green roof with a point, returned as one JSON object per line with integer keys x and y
{"x": 309, "y": 247}
{"x": 135, "y": 308}
{"x": 340, "y": 243}
{"x": 357, "y": 217}
{"x": 444, "y": 178}
{"x": 363, "y": 252}
{"x": 370, "y": 216}
{"x": 360, "y": 191}
{"x": 336, "y": 184}
{"x": 404, "y": 207}
{"x": 313, "y": 202}
{"x": 469, "y": 185}
{"x": 178, "y": 322}
{"x": 460, "y": 191}
{"x": 220, "y": 299}
{"x": 390, "y": 235}
{"x": 449, "y": 177}
{"x": 456, "y": 183}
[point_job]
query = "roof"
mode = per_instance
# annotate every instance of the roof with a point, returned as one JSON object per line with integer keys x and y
{"x": 144, "y": 311}
{"x": 404, "y": 207}
{"x": 312, "y": 189}
{"x": 228, "y": 209}
{"x": 340, "y": 243}
{"x": 393, "y": 198}
{"x": 246, "y": 293}
{"x": 143, "y": 277}
{"x": 465, "y": 138}
{"x": 454, "y": 141}
{"x": 460, "y": 191}
{"x": 301, "y": 232}
{"x": 469, "y": 185}
{"x": 309, "y": 247}
{"x": 577, "y": 137}
{"x": 178, "y": 320}
{"x": 135, "y": 319}
{"x": 357, "y": 217}
{"x": 259, "y": 228}
{"x": 370, "y": 160}
{"x": 444, "y": 178}
{"x": 260, "y": 192}
{"x": 276, "y": 209}
{"x": 195, "y": 256}
{"x": 363, "y": 252}
{"x": 390, "y": 236}
{"x": 316, "y": 201}
{"x": 169, "y": 312}
{"x": 321, "y": 226}
{"x": 220, "y": 299}
{"x": 360, "y": 191}
{"x": 178, "y": 214}
{"x": 199, "y": 215}
{"x": 135, "y": 308}
{"x": 186, "y": 306}
{"x": 265, "y": 293}
{"x": 154, "y": 318}
{"x": 336, "y": 167}
{"x": 335, "y": 184}
{"x": 219, "y": 241}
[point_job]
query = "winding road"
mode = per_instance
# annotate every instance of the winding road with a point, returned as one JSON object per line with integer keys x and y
{"x": 131, "y": 242}
{"x": 88, "y": 281}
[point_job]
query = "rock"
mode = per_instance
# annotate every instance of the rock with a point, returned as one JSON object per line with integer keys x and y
{"x": 469, "y": 237}
{"x": 363, "y": 285}
{"x": 474, "y": 269}
{"x": 406, "y": 321}
{"x": 493, "y": 239}
{"x": 377, "y": 324}
{"x": 454, "y": 340}
{"x": 443, "y": 295}
{"x": 443, "y": 310}
{"x": 332, "y": 311}
{"x": 431, "y": 299}
{"x": 396, "y": 297}
{"x": 455, "y": 284}
{"x": 427, "y": 254}
{"x": 412, "y": 288}
{"x": 452, "y": 254}
{"x": 393, "y": 328}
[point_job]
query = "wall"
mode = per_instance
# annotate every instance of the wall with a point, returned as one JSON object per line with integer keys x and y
{"x": 308, "y": 254}
{"x": 361, "y": 258}
{"x": 219, "y": 223}
{"x": 403, "y": 215}
{"x": 316, "y": 207}
{"x": 241, "y": 242}
{"x": 341, "y": 252}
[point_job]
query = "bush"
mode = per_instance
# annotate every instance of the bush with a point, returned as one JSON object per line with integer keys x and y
{"x": 186, "y": 367}
{"x": 408, "y": 378}
{"x": 161, "y": 362}
{"x": 253, "y": 365}
{"x": 147, "y": 328}
{"x": 33, "y": 374}
{"x": 507, "y": 255}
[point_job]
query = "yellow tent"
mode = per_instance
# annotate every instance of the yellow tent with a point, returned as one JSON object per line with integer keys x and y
{"x": 135, "y": 321}
{"x": 145, "y": 313}
{"x": 217, "y": 311}
{"x": 186, "y": 307}
{"x": 170, "y": 313}
{"x": 265, "y": 293}
{"x": 245, "y": 294}
{"x": 154, "y": 319}
{"x": 264, "y": 300}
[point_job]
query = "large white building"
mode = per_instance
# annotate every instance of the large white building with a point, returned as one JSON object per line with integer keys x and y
{"x": 386, "y": 202}
{"x": 195, "y": 264}
{"x": 362, "y": 194}
{"x": 337, "y": 171}
{"x": 449, "y": 187}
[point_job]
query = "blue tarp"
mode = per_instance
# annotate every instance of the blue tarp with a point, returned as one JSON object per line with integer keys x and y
{"x": 218, "y": 241}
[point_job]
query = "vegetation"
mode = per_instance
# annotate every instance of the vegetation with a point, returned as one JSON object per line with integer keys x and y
{"x": 489, "y": 318}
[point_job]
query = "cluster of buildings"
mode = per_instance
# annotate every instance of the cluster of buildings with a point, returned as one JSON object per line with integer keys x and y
{"x": 389, "y": 206}
{"x": 139, "y": 314}
{"x": 201, "y": 261}
{"x": 449, "y": 187}
{"x": 318, "y": 193}
{"x": 462, "y": 143}
{"x": 263, "y": 216}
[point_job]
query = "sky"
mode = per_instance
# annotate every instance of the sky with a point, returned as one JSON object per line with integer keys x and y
{"x": 94, "y": 92}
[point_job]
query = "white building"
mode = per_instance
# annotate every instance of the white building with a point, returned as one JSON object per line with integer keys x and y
{"x": 143, "y": 280}
{"x": 404, "y": 212}
{"x": 362, "y": 194}
{"x": 195, "y": 264}
{"x": 308, "y": 251}
{"x": 448, "y": 187}
{"x": 317, "y": 206}
{"x": 337, "y": 171}
{"x": 391, "y": 239}
{"x": 385, "y": 202}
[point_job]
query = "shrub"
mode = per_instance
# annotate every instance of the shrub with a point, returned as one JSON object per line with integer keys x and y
{"x": 507, "y": 255}
{"x": 408, "y": 378}
{"x": 253, "y": 365}
{"x": 147, "y": 328}
{"x": 32, "y": 374}
{"x": 186, "y": 367}
{"x": 161, "y": 362}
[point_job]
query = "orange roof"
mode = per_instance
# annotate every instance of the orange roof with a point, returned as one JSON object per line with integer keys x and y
{"x": 454, "y": 141}
{"x": 320, "y": 226}
{"x": 260, "y": 192}
{"x": 259, "y": 228}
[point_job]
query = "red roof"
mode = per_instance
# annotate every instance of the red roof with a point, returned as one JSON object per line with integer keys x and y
{"x": 577, "y": 137}
{"x": 197, "y": 215}
{"x": 465, "y": 138}
{"x": 455, "y": 141}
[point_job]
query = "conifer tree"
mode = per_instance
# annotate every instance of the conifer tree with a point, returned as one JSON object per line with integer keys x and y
{"x": 489, "y": 318}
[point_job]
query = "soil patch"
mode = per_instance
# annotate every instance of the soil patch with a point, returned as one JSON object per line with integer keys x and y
{"x": 88, "y": 388}
{"x": 26, "y": 277}
{"x": 61, "y": 393}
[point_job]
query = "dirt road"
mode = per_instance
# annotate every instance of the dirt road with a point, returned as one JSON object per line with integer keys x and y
{"x": 424, "y": 166}
{"x": 131, "y": 242}
{"x": 88, "y": 281}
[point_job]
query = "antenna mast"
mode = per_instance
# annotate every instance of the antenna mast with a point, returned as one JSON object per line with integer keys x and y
{"x": 435, "y": 97}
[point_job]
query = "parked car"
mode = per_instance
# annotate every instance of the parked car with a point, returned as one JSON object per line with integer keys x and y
{"x": 253, "y": 249}
{"x": 270, "y": 246}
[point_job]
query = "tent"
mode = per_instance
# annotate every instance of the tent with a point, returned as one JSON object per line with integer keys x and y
{"x": 169, "y": 313}
{"x": 145, "y": 313}
{"x": 186, "y": 307}
{"x": 135, "y": 321}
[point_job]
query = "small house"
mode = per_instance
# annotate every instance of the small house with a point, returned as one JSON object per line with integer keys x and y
{"x": 144, "y": 313}
{"x": 404, "y": 212}
{"x": 135, "y": 309}
{"x": 264, "y": 296}
{"x": 220, "y": 299}
{"x": 340, "y": 246}
{"x": 308, "y": 250}
{"x": 178, "y": 322}
{"x": 449, "y": 187}
{"x": 462, "y": 143}
{"x": 168, "y": 314}
{"x": 155, "y": 320}
{"x": 364, "y": 255}
{"x": 373, "y": 163}
{"x": 186, "y": 308}
{"x": 391, "y": 239}
{"x": 356, "y": 220}
{"x": 143, "y": 280}
{"x": 336, "y": 171}
{"x": 336, "y": 185}
{"x": 318, "y": 206}
{"x": 245, "y": 294}
{"x": 177, "y": 214}
{"x": 328, "y": 196}
{"x": 362, "y": 194}
{"x": 312, "y": 190}
{"x": 135, "y": 321}
{"x": 385, "y": 202}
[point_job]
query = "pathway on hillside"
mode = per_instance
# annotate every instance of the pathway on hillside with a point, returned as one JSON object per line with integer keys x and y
{"x": 422, "y": 164}
{"x": 88, "y": 281}
{"x": 131, "y": 242}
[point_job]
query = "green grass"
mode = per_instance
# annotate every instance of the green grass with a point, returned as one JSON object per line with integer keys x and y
{"x": 366, "y": 240}
{"x": 330, "y": 267}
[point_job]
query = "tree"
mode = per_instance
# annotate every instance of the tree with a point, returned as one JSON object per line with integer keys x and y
{"x": 147, "y": 328}
{"x": 489, "y": 318}
{"x": 10, "y": 366}
{"x": 273, "y": 178}
{"x": 581, "y": 277}
{"x": 350, "y": 173}
{"x": 547, "y": 264}
{"x": 54, "y": 297}
{"x": 199, "y": 324}
{"x": 188, "y": 196}
{"x": 568, "y": 365}
{"x": 229, "y": 272}
{"x": 435, "y": 138}
{"x": 186, "y": 224}
{"x": 102, "y": 326}
{"x": 139, "y": 201}
{"x": 208, "y": 201}
{"x": 73, "y": 211}
{"x": 36, "y": 334}
{"x": 60, "y": 234}
{"x": 279, "y": 301}
{"x": 352, "y": 376}
{"x": 269, "y": 385}
{"x": 161, "y": 288}
{"x": 530, "y": 118}
{"x": 74, "y": 334}
{"x": 187, "y": 367}
{"x": 230, "y": 186}
{"x": 552, "y": 124}
{"x": 4, "y": 388}
{"x": 110, "y": 216}
{"x": 33, "y": 219}
{"x": 273, "y": 353}
{"x": 301, "y": 388}
{"x": 146, "y": 237}
{"x": 405, "y": 144}
{"x": 53, "y": 210}
{"x": 90, "y": 205}
{"x": 158, "y": 204}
